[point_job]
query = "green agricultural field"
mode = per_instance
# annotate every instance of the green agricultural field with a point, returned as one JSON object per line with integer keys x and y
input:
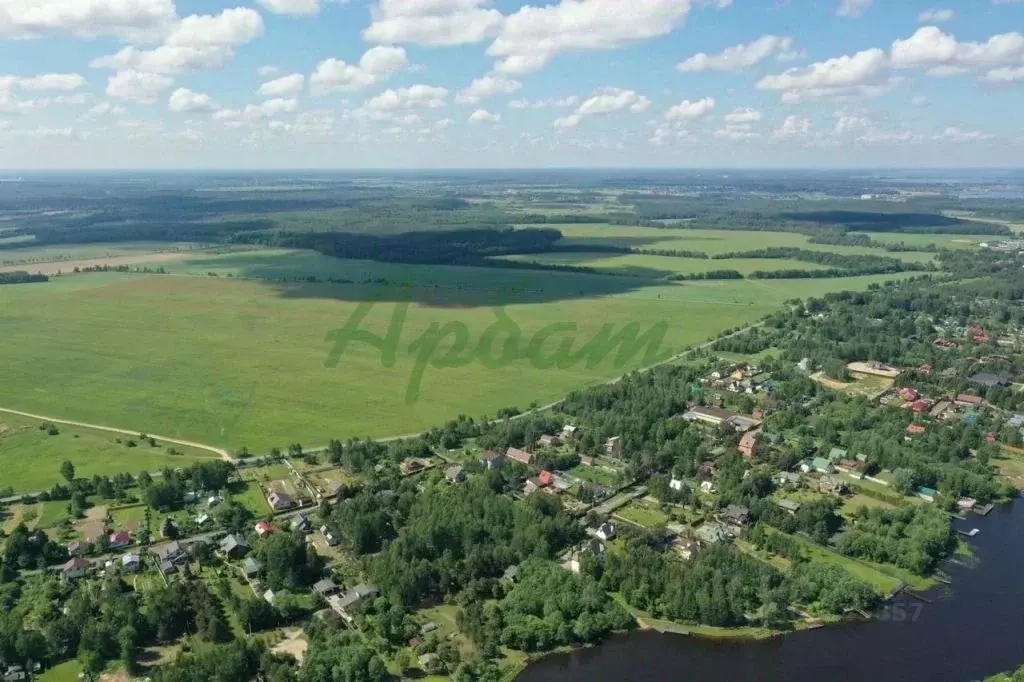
{"x": 961, "y": 242}
{"x": 233, "y": 361}
{"x": 30, "y": 459}
{"x": 71, "y": 252}
{"x": 714, "y": 242}
{"x": 639, "y": 265}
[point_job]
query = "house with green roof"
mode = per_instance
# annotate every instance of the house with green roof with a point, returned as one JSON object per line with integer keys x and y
{"x": 836, "y": 454}
{"x": 927, "y": 494}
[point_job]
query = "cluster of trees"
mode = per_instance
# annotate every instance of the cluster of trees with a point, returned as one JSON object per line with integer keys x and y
{"x": 28, "y": 549}
{"x": 914, "y": 538}
{"x": 288, "y": 561}
{"x": 449, "y": 538}
{"x": 168, "y": 490}
{"x": 21, "y": 277}
{"x": 237, "y": 660}
{"x": 850, "y": 264}
{"x": 547, "y": 608}
{"x": 718, "y": 587}
{"x": 710, "y": 274}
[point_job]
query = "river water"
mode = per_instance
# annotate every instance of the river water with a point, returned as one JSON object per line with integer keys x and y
{"x": 968, "y": 631}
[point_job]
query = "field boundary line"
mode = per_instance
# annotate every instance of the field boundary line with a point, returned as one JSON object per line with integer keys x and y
{"x": 220, "y": 452}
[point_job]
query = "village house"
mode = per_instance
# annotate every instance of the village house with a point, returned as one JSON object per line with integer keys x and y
{"x": 329, "y": 537}
{"x": 687, "y": 548}
{"x": 455, "y": 474}
{"x": 748, "y": 444}
{"x": 521, "y": 456}
{"x": 707, "y": 469}
{"x": 587, "y": 460}
{"x": 77, "y": 548}
{"x": 118, "y": 540}
{"x": 251, "y": 568}
{"x": 613, "y": 445}
{"x": 712, "y": 532}
{"x": 75, "y": 569}
{"x": 708, "y": 415}
{"x": 940, "y": 409}
{"x": 736, "y": 515}
{"x": 925, "y": 369}
{"x": 966, "y": 503}
{"x": 279, "y": 501}
{"x": 788, "y": 505}
{"x": 678, "y": 484}
{"x": 203, "y": 519}
{"x": 233, "y": 547}
{"x": 301, "y": 524}
{"x": 606, "y": 532}
{"x": 987, "y": 380}
{"x": 788, "y": 478}
{"x": 708, "y": 487}
{"x": 945, "y": 344}
{"x": 818, "y": 464}
{"x": 919, "y": 406}
{"x": 265, "y": 528}
{"x": 908, "y": 394}
{"x": 836, "y": 455}
{"x": 131, "y": 563}
{"x": 325, "y": 588}
{"x": 832, "y": 485}
{"x": 548, "y": 441}
{"x": 915, "y": 430}
{"x": 270, "y": 597}
{"x": 926, "y": 494}
{"x": 348, "y": 604}
{"x": 569, "y": 430}
{"x": 173, "y": 553}
{"x": 492, "y": 460}
{"x": 968, "y": 400}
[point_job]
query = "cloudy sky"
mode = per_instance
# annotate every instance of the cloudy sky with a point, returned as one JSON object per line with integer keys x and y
{"x": 500, "y": 83}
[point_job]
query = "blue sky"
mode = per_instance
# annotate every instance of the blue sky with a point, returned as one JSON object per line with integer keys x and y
{"x": 498, "y": 83}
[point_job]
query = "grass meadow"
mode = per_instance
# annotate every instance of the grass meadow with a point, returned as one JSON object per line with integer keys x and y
{"x": 713, "y": 242}
{"x": 30, "y": 459}
{"x": 235, "y": 359}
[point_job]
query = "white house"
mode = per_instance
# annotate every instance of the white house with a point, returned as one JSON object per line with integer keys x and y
{"x": 677, "y": 484}
{"x": 131, "y": 563}
{"x": 606, "y": 531}
{"x": 707, "y": 486}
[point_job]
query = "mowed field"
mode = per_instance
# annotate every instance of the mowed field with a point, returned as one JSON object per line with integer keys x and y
{"x": 233, "y": 361}
{"x": 655, "y": 266}
{"x": 29, "y": 254}
{"x": 30, "y": 458}
{"x": 713, "y": 242}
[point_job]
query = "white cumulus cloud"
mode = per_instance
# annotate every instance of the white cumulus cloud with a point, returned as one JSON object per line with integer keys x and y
{"x": 864, "y": 74}
{"x": 743, "y": 115}
{"x": 489, "y": 85}
{"x": 942, "y": 55}
{"x": 285, "y": 85}
{"x": 738, "y": 57}
{"x": 688, "y": 111}
{"x": 183, "y": 100}
{"x": 605, "y": 101}
{"x": 414, "y": 97}
{"x": 853, "y": 8}
{"x": 137, "y": 86}
{"x": 433, "y": 22}
{"x": 127, "y": 19}
{"x": 532, "y": 36}
{"x": 484, "y": 116}
{"x": 936, "y": 16}
{"x": 376, "y": 65}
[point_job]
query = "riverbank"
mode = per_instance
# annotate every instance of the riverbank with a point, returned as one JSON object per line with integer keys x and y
{"x": 967, "y": 630}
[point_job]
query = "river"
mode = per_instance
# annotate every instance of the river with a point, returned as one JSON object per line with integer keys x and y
{"x": 968, "y": 631}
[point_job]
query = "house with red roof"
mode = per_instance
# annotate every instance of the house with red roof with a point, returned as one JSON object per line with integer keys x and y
{"x": 120, "y": 539}
{"x": 908, "y": 394}
{"x": 265, "y": 528}
{"x": 545, "y": 478}
{"x": 915, "y": 429}
{"x": 919, "y": 406}
{"x": 925, "y": 369}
